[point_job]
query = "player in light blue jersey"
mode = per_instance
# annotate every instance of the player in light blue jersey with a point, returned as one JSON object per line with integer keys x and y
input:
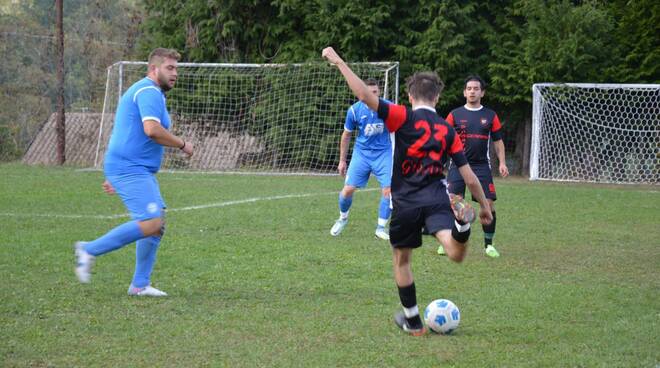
{"x": 134, "y": 155}
{"x": 372, "y": 153}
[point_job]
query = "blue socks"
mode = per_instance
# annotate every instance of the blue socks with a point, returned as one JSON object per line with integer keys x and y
{"x": 145, "y": 257}
{"x": 116, "y": 238}
{"x": 384, "y": 211}
{"x": 345, "y": 204}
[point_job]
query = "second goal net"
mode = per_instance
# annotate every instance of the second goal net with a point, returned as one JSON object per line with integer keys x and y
{"x": 603, "y": 133}
{"x": 271, "y": 118}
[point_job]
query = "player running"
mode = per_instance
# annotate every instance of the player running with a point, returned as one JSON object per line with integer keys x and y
{"x": 133, "y": 158}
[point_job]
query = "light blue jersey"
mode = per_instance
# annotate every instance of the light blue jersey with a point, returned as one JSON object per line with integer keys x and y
{"x": 372, "y": 152}
{"x": 372, "y": 134}
{"x": 130, "y": 150}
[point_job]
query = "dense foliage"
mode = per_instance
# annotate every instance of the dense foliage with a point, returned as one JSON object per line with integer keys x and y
{"x": 511, "y": 43}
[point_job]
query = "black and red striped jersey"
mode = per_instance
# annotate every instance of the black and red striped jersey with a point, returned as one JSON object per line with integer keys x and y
{"x": 476, "y": 127}
{"x": 423, "y": 141}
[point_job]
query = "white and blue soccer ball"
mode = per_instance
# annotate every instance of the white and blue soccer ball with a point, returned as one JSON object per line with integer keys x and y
{"x": 442, "y": 316}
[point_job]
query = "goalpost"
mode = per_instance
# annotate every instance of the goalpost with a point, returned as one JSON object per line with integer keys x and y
{"x": 267, "y": 118}
{"x": 601, "y": 133}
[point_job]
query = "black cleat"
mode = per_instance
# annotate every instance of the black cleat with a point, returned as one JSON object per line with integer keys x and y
{"x": 400, "y": 320}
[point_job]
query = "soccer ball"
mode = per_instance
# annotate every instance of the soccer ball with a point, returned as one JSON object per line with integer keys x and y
{"x": 442, "y": 316}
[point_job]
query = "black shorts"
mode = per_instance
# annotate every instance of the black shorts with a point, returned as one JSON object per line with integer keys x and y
{"x": 456, "y": 185}
{"x": 406, "y": 224}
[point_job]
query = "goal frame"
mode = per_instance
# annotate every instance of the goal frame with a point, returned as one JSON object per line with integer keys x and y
{"x": 537, "y": 116}
{"x": 391, "y": 93}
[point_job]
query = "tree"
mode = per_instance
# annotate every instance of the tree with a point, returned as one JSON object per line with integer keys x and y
{"x": 638, "y": 44}
{"x": 546, "y": 41}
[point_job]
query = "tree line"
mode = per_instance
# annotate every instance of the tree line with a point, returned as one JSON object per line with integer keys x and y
{"x": 510, "y": 43}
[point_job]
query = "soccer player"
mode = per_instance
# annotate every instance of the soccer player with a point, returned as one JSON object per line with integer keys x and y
{"x": 133, "y": 158}
{"x": 477, "y": 125}
{"x": 423, "y": 142}
{"x": 372, "y": 153}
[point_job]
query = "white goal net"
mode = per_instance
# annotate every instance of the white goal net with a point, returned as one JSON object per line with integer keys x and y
{"x": 602, "y": 133}
{"x": 270, "y": 118}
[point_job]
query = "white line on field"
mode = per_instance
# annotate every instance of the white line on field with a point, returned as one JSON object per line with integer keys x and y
{"x": 188, "y": 208}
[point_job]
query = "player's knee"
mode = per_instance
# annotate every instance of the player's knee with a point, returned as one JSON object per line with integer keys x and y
{"x": 386, "y": 192}
{"x": 400, "y": 257}
{"x": 348, "y": 191}
{"x": 456, "y": 255}
{"x": 152, "y": 226}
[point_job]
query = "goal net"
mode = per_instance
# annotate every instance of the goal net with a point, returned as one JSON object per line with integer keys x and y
{"x": 270, "y": 118}
{"x": 602, "y": 133}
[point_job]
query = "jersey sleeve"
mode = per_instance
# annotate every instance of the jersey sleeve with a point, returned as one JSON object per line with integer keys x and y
{"x": 393, "y": 115}
{"x": 150, "y": 103}
{"x": 456, "y": 151}
{"x": 496, "y": 129}
{"x": 450, "y": 119}
{"x": 351, "y": 119}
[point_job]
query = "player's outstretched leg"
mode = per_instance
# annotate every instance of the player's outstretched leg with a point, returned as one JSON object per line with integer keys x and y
{"x": 464, "y": 215}
{"x": 116, "y": 238}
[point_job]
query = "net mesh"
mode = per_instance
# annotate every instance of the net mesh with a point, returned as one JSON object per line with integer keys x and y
{"x": 596, "y": 133}
{"x": 252, "y": 117}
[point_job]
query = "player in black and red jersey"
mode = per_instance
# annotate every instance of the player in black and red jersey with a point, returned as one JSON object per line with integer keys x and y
{"x": 423, "y": 143}
{"x": 477, "y": 125}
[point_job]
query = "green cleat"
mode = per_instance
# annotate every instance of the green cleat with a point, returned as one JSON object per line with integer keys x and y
{"x": 492, "y": 252}
{"x": 441, "y": 251}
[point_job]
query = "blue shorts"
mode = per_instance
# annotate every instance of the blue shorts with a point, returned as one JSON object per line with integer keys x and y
{"x": 140, "y": 194}
{"x": 365, "y": 162}
{"x": 456, "y": 185}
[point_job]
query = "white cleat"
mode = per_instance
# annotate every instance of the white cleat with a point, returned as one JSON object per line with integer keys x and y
{"x": 338, "y": 227}
{"x": 84, "y": 263}
{"x": 381, "y": 233}
{"x": 145, "y": 291}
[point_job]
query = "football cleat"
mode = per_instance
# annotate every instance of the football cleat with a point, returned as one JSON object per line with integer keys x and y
{"x": 145, "y": 291}
{"x": 400, "y": 320}
{"x": 338, "y": 227}
{"x": 441, "y": 251}
{"x": 84, "y": 263}
{"x": 381, "y": 233}
{"x": 492, "y": 252}
{"x": 463, "y": 211}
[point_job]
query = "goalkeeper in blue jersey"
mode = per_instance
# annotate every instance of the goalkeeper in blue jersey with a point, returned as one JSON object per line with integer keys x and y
{"x": 372, "y": 153}
{"x": 134, "y": 155}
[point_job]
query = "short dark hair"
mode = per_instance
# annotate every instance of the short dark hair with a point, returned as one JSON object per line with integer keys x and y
{"x": 158, "y": 55}
{"x": 371, "y": 82}
{"x": 475, "y": 78}
{"x": 425, "y": 86}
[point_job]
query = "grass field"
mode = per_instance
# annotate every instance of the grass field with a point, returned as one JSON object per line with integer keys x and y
{"x": 255, "y": 279}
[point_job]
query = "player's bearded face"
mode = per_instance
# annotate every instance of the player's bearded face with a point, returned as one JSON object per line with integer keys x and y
{"x": 167, "y": 74}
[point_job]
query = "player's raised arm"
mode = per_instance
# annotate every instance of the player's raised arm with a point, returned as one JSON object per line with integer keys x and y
{"x": 356, "y": 84}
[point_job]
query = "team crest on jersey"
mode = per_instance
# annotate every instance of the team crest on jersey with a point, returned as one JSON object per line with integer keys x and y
{"x": 484, "y": 121}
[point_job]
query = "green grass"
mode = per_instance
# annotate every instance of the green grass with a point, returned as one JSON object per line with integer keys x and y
{"x": 264, "y": 284}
